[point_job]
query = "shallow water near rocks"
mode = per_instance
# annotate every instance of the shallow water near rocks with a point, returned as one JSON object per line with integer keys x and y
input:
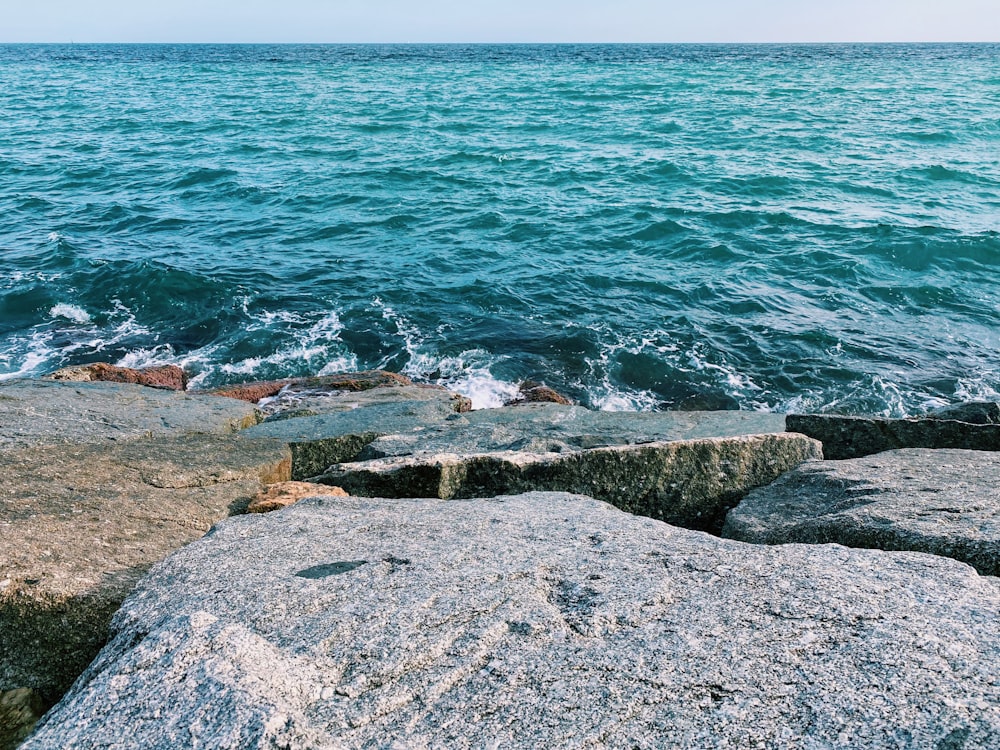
{"x": 806, "y": 228}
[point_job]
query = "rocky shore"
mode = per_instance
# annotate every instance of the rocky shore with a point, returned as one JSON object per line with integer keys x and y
{"x": 412, "y": 573}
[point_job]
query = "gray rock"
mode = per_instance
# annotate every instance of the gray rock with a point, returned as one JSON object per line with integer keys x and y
{"x": 543, "y": 620}
{"x": 82, "y": 523}
{"x": 854, "y": 437}
{"x": 689, "y": 483}
{"x": 974, "y": 412}
{"x": 34, "y": 412}
{"x": 320, "y": 440}
{"x": 554, "y": 428}
{"x": 386, "y": 427}
{"x": 946, "y": 502}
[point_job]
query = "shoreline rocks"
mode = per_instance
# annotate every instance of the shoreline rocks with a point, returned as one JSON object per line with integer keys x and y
{"x": 945, "y": 502}
{"x": 688, "y": 483}
{"x": 855, "y": 437}
{"x": 542, "y": 620}
{"x": 101, "y": 480}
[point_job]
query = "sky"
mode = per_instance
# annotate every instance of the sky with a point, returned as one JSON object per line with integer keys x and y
{"x": 386, "y": 21}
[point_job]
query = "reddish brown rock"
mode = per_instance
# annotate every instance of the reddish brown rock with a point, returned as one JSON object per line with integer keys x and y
{"x": 345, "y": 381}
{"x": 169, "y": 377}
{"x": 531, "y": 392}
{"x": 283, "y": 494}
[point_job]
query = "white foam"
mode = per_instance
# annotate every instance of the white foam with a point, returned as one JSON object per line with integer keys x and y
{"x": 70, "y": 312}
{"x": 482, "y": 388}
{"x": 30, "y": 365}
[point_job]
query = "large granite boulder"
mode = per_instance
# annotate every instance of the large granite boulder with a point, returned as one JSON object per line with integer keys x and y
{"x": 81, "y": 524}
{"x": 946, "y": 502}
{"x": 544, "y": 620}
{"x": 685, "y": 467}
{"x": 689, "y": 483}
{"x": 36, "y": 412}
{"x": 854, "y": 437}
{"x": 555, "y": 428}
{"x": 100, "y": 480}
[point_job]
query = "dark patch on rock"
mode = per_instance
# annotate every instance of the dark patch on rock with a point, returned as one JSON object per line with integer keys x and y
{"x": 974, "y": 412}
{"x": 330, "y": 569}
{"x": 854, "y": 437}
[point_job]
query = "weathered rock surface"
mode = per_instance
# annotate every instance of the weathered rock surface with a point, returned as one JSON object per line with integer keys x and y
{"x": 946, "y": 502}
{"x": 170, "y": 377}
{"x": 554, "y": 428}
{"x": 854, "y": 437}
{"x": 310, "y": 403}
{"x": 530, "y": 392}
{"x": 321, "y": 440}
{"x": 42, "y": 411}
{"x": 689, "y": 483}
{"x": 346, "y": 381}
{"x": 281, "y": 495}
{"x": 82, "y": 523}
{"x": 20, "y": 710}
{"x": 543, "y": 620}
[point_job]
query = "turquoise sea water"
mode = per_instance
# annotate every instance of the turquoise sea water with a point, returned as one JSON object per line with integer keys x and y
{"x": 644, "y": 227}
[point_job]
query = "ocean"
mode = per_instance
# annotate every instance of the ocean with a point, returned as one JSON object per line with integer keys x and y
{"x": 769, "y": 227}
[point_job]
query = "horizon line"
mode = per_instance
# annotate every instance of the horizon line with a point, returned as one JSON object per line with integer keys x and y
{"x": 507, "y": 43}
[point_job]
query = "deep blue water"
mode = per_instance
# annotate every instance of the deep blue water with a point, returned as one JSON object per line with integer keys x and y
{"x": 652, "y": 227}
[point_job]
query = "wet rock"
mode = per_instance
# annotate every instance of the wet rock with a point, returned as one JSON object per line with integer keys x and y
{"x": 689, "y": 483}
{"x": 544, "y": 620}
{"x": 82, "y": 523}
{"x": 854, "y": 437}
{"x": 170, "y": 377}
{"x": 531, "y": 392}
{"x": 44, "y": 411}
{"x": 945, "y": 502}
{"x": 346, "y": 381}
{"x": 281, "y": 495}
{"x": 20, "y": 710}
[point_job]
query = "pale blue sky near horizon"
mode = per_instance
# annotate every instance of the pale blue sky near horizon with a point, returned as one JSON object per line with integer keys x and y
{"x": 386, "y": 21}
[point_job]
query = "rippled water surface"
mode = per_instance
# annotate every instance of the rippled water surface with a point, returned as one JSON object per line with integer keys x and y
{"x": 763, "y": 227}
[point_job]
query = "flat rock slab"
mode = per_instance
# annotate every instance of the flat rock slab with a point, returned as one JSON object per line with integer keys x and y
{"x": 34, "y": 412}
{"x": 689, "y": 483}
{"x": 854, "y": 437}
{"x": 320, "y": 440}
{"x": 386, "y": 427}
{"x": 946, "y": 502}
{"x": 82, "y": 523}
{"x": 544, "y": 620}
{"x": 292, "y": 402}
{"x": 555, "y": 428}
